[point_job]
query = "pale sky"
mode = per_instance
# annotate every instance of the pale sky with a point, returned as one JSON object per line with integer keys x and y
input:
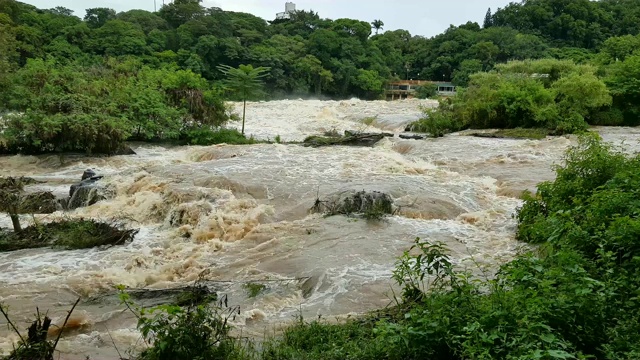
{"x": 420, "y": 17}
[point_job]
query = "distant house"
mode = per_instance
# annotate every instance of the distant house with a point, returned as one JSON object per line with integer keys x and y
{"x": 405, "y": 89}
{"x": 289, "y": 8}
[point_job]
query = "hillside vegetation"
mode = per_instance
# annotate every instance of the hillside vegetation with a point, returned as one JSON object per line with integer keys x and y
{"x": 89, "y": 83}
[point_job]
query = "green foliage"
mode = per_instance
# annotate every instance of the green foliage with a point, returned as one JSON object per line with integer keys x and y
{"x": 436, "y": 122}
{"x": 117, "y": 37}
{"x": 608, "y": 117}
{"x": 207, "y": 137}
{"x": 254, "y": 289}
{"x": 69, "y": 234}
{"x": 186, "y": 333}
{"x": 377, "y": 25}
{"x": 551, "y": 94}
{"x": 97, "y": 17}
{"x": 308, "y": 55}
{"x": 426, "y": 91}
{"x": 623, "y": 78}
{"x": 467, "y": 68}
{"x": 245, "y": 82}
{"x": 95, "y": 109}
{"x": 322, "y": 341}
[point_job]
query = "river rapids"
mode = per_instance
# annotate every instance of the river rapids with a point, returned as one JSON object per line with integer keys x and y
{"x": 246, "y": 211}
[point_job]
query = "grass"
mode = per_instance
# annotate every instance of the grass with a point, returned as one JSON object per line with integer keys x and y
{"x": 369, "y": 120}
{"x": 324, "y": 341}
{"x": 518, "y": 133}
{"x": 66, "y": 234}
{"x": 206, "y": 137}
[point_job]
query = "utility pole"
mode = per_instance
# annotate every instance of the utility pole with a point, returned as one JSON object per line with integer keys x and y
{"x": 154, "y": 6}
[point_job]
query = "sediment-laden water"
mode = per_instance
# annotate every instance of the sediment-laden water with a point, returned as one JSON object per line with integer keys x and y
{"x": 242, "y": 212}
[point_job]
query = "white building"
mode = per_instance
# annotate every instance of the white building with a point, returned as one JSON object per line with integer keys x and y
{"x": 289, "y": 7}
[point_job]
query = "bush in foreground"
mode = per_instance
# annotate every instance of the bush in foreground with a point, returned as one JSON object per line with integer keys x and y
{"x": 193, "y": 330}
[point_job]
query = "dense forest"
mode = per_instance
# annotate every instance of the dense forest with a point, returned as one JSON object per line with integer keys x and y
{"x": 137, "y": 74}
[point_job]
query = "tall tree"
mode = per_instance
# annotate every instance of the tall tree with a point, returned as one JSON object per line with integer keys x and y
{"x": 488, "y": 21}
{"x": 378, "y": 25}
{"x": 246, "y": 82}
{"x": 96, "y": 17}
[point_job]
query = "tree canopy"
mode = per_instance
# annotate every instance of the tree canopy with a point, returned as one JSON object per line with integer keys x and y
{"x": 66, "y": 72}
{"x": 197, "y": 38}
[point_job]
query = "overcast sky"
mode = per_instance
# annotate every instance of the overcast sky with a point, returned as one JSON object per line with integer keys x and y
{"x": 420, "y": 17}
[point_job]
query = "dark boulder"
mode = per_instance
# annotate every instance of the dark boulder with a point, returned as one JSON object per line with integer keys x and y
{"x": 350, "y": 138}
{"x": 411, "y": 137}
{"x": 85, "y": 193}
{"x": 367, "y": 203}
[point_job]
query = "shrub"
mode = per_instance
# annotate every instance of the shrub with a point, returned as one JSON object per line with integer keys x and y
{"x": 607, "y": 117}
{"x": 550, "y": 94}
{"x": 254, "y": 289}
{"x": 437, "y": 123}
{"x": 67, "y": 234}
{"x": 194, "y": 331}
{"x": 426, "y": 91}
{"x": 62, "y": 108}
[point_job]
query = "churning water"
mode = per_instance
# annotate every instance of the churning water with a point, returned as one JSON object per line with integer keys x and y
{"x": 242, "y": 212}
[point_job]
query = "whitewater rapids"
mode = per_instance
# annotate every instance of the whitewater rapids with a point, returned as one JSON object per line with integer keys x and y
{"x": 241, "y": 212}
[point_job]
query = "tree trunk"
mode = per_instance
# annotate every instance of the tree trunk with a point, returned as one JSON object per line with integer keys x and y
{"x": 16, "y": 222}
{"x": 244, "y": 111}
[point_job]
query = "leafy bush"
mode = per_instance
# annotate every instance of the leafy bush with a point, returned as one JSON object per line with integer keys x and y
{"x": 96, "y": 109}
{"x": 194, "y": 331}
{"x": 318, "y": 340}
{"x": 551, "y": 94}
{"x": 426, "y": 91}
{"x": 607, "y": 117}
{"x": 436, "y": 122}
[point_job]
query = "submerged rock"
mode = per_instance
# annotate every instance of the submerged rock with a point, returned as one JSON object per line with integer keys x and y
{"x": 411, "y": 137}
{"x": 371, "y": 204}
{"x": 349, "y": 139}
{"x": 85, "y": 193}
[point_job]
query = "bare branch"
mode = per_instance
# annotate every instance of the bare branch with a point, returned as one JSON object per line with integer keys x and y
{"x": 6, "y": 316}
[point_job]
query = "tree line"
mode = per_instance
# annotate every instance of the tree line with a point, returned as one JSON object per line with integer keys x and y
{"x": 154, "y": 75}
{"x": 308, "y": 54}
